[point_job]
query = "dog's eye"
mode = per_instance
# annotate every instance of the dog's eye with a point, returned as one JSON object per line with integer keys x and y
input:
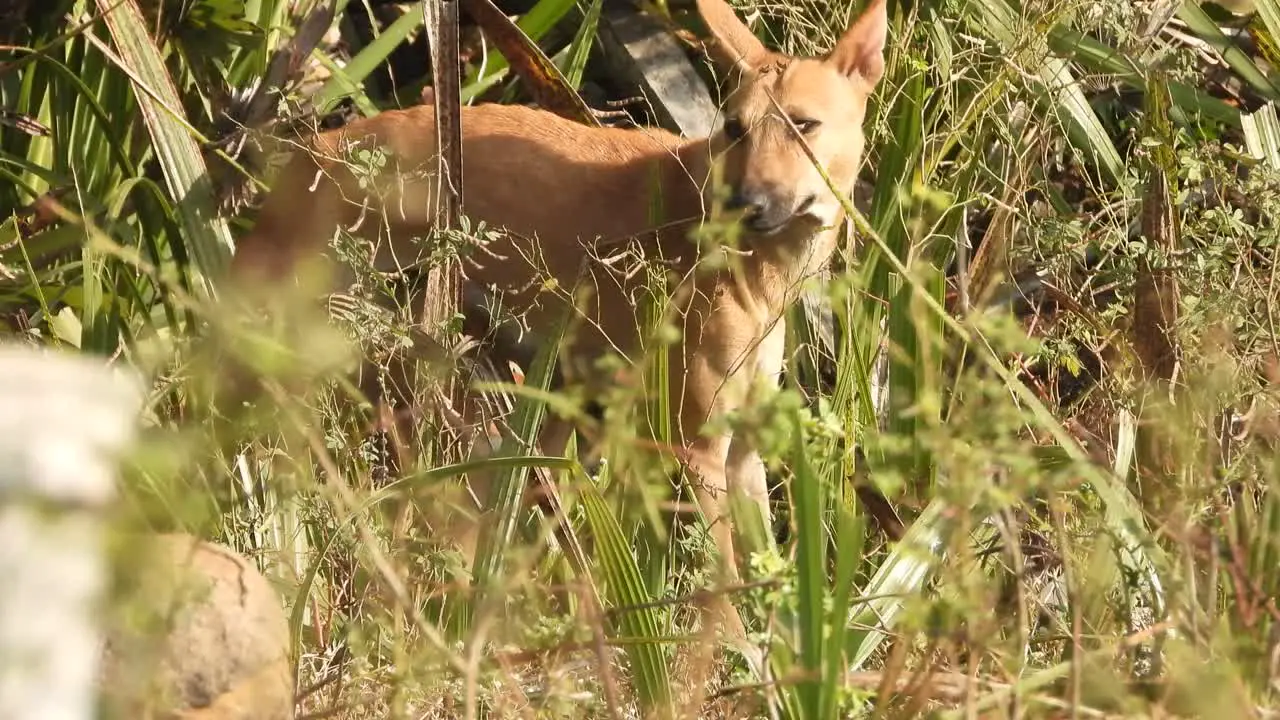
{"x": 805, "y": 125}
{"x": 733, "y": 128}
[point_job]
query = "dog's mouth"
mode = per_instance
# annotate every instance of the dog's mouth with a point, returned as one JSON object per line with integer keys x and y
{"x": 804, "y": 207}
{"x": 761, "y": 225}
{"x": 757, "y": 225}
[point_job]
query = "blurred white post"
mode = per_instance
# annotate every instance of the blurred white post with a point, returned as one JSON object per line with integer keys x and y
{"x": 63, "y": 418}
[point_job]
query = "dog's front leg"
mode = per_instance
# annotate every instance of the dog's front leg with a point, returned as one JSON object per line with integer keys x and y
{"x": 748, "y": 490}
{"x": 747, "y": 478}
{"x": 707, "y": 461}
{"x": 707, "y": 458}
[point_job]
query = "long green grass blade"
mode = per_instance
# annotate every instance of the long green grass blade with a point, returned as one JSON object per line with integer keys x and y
{"x": 1262, "y": 134}
{"x": 1201, "y": 24}
{"x": 1056, "y": 86}
{"x": 512, "y": 482}
{"x": 580, "y": 49}
{"x": 206, "y": 235}
{"x": 534, "y": 24}
{"x": 850, "y": 540}
{"x": 1095, "y": 56}
{"x": 809, "y": 491}
{"x": 348, "y": 80}
{"x": 626, "y": 591}
{"x": 900, "y": 576}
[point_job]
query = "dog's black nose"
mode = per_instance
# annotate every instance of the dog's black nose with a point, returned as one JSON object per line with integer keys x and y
{"x": 740, "y": 200}
{"x": 764, "y": 210}
{"x": 752, "y": 201}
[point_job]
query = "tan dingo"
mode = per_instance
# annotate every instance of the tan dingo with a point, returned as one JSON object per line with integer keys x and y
{"x": 568, "y": 193}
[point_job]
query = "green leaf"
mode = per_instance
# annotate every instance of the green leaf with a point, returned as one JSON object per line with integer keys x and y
{"x": 541, "y": 77}
{"x": 348, "y": 80}
{"x": 627, "y": 593}
{"x": 534, "y": 24}
{"x": 850, "y": 537}
{"x": 1262, "y": 134}
{"x": 1201, "y": 24}
{"x": 580, "y": 49}
{"x": 1057, "y": 87}
{"x": 811, "y": 570}
{"x": 1097, "y": 57}
{"x": 185, "y": 173}
{"x": 511, "y": 483}
{"x": 902, "y": 575}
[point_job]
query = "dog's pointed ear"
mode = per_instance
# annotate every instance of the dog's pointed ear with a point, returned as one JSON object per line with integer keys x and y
{"x": 735, "y": 47}
{"x": 861, "y": 49}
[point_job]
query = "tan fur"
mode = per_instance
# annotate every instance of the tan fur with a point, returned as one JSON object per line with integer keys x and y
{"x": 565, "y": 193}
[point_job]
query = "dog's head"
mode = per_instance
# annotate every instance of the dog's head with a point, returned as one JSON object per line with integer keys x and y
{"x": 781, "y": 103}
